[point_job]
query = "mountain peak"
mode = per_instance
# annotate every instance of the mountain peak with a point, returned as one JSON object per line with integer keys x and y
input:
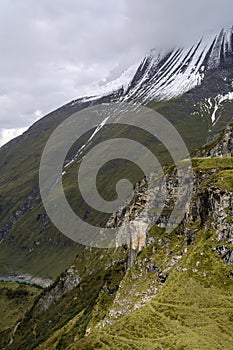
{"x": 167, "y": 74}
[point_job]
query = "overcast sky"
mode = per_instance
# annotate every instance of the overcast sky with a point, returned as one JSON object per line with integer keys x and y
{"x": 53, "y": 51}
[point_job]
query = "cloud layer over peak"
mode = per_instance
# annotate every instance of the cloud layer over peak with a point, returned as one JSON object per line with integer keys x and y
{"x": 53, "y": 51}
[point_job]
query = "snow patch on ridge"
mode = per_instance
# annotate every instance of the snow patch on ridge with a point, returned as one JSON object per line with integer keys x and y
{"x": 171, "y": 75}
{"x": 167, "y": 75}
{"x": 218, "y": 102}
{"x": 211, "y": 106}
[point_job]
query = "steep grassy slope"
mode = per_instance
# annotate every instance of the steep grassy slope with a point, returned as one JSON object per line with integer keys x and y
{"x": 73, "y": 298}
{"x": 29, "y": 243}
{"x": 15, "y": 300}
{"x": 193, "y": 311}
{"x": 177, "y": 295}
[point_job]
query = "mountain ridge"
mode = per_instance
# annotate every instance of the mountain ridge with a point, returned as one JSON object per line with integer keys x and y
{"x": 173, "y": 72}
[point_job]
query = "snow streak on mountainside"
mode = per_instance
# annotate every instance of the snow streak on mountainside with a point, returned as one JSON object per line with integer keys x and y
{"x": 163, "y": 76}
{"x": 212, "y": 105}
{"x": 170, "y": 75}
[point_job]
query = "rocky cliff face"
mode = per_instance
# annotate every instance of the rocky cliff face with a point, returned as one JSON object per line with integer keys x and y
{"x": 210, "y": 207}
{"x": 225, "y": 146}
{"x": 66, "y": 283}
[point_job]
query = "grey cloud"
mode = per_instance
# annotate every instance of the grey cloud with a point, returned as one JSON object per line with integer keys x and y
{"x": 52, "y": 51}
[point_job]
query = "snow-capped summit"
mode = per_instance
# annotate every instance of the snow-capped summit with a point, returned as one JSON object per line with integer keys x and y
{"x": 167, "y": 75}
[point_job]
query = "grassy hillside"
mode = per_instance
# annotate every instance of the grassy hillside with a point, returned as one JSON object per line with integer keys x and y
{"x": 76, "y": 307}
{"x": 15, "y": 300}
{"x": 177, "y": 295}
{"x": 193, "y": 311}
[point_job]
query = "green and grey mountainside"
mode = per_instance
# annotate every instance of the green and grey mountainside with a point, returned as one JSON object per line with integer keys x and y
{"x": 166, "y": 291}
{"x": 200, "y": 106}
